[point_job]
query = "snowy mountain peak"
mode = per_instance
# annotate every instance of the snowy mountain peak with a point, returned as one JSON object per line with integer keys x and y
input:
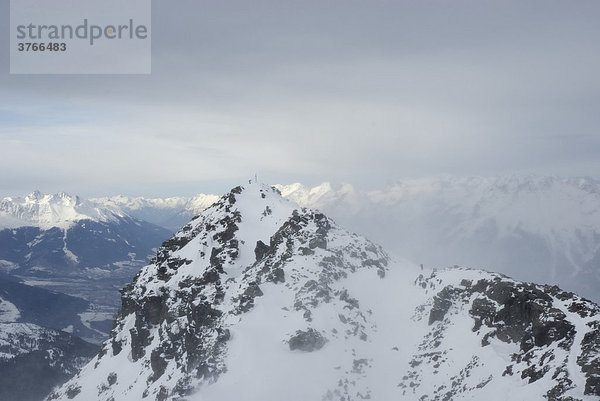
{"x": 236, "y": 223}
{"x": 185, "y": 307}
{"x": 255, "y": 287}
{"x": 37, "y": 197}
{"x": 323, "y": 195}
{"x": 52, "y": 210}
{"x": 34, "y": 196}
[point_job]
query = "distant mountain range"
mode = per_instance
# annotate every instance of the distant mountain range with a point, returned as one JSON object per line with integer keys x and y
{"x": 63, "y": 235}
{"x": 170, "y": 213}
{"x": 532, "y": 228}
{"x": 72, "y": 246}
{"x": 48, "y": 211}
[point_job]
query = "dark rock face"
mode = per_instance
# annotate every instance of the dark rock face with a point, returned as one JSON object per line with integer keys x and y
{"x": 589, "y": 360}
{"x": 261, "y": 250}
{"x": 308, "y": 341}
{"x": 526, "y": 315}
{"x": 196, "y": 301}
{"x": 441, "y": 304}
{"x": 203, "y": 317}
{"x": 73, "y": 391}
{"x": 246, "y": 300}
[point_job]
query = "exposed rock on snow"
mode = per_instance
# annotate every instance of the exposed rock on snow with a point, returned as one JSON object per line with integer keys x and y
{"x": 308, "y": 340}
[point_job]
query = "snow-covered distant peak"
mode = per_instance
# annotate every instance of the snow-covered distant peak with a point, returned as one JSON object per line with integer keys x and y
{"x": 192, "y": 205}
{"x": 320, "y": 196}
{"x": 200, "y": 202}
{"x": 536, "y": 204}
{"x": 52, "y": 210}
{"x": 139, "y": 202}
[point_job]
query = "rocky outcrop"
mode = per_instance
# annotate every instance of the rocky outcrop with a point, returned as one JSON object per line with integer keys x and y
{"x": 553, "y": 331}
{"x": 307, "y": 340}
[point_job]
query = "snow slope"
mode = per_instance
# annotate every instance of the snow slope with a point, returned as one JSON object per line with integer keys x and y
{"x": 257, "y": 299}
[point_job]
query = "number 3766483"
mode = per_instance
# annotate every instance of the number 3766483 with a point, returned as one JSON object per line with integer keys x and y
{"x": 42, "y": 47}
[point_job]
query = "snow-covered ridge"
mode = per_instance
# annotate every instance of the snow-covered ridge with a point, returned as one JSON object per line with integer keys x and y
{"x": 59, "y": 210}
{"x": 255, "y": 288}
{"x": 208, "y": 275}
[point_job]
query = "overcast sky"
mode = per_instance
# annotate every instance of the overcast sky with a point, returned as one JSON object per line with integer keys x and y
{"x": 364, "y": 92}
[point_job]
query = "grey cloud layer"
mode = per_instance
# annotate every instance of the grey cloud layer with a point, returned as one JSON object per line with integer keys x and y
{"x": 344, "y": 91}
